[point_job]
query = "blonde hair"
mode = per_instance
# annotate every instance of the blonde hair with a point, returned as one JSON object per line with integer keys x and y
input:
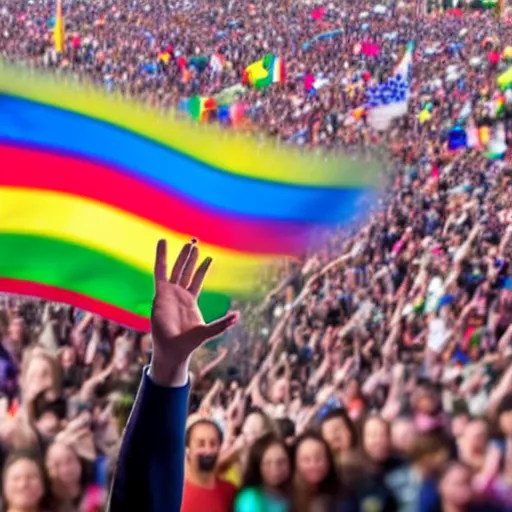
{"x": 37, "y": 352}
{"x": 270, "y": 425}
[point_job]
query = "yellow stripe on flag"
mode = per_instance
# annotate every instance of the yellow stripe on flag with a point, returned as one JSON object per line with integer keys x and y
{"x": 118, "y": 234}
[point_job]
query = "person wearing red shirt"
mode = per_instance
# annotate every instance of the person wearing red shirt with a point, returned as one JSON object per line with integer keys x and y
{"x": 76, "y": 41}
{"x": 203, "y": 490}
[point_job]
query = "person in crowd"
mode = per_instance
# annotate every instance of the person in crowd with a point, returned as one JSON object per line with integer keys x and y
{"x": 413, "y": 486}
{"x": 267, "y": 481}
{"x": 374, "y": 464}
{"x": 286, "y": 429}
{"x": 457, "y": 493}
{"x": 316, "y": 481}
{"x": 203, "y": 441}
{"x": 66, "y": 474}
{"x": 10, "y": 356}
{"x": 149, "y": 474}
{"x": 234, "y": 456}
{"x": 382, "y": 353}
{"x": 24, "y": 483}
{"x": 340, "y": 433}
{"x": 403, "y": 436}
{"x": 455, "y": 487}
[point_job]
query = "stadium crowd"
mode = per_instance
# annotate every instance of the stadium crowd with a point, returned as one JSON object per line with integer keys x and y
{"x": 376, "y": 375}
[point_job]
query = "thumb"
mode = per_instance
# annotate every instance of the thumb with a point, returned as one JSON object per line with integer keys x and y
{"x": 217, "y": 327}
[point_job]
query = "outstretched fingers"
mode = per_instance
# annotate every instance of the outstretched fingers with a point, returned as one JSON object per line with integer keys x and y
{"x": 180, "y": 263}
{"x": 160, "y": 269}
{"x": 190, "y": 265}
{"x": 220, "y": 326}
{"x": 183, "y": 270}
{"x": 198, "y": 279}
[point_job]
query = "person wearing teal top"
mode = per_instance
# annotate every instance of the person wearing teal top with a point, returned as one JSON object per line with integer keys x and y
{"x": 267, "y": 478}
{"x": 254, "y": 499}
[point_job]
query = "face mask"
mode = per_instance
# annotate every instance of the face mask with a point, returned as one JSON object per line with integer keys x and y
{"x": 206, "y": 463}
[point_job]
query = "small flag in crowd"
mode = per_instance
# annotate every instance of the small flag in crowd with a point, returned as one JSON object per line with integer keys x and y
{"x": 499, "y": 105}
{"x": 264, "y": 72}
{"x": 58, "y": 29}
{"x": 404, "y": 67}
{"x": 199, "y": 107}
{"x": 473, "y": 135}
{"x": 505, "y": 79}
{"x": 164, "y": 57}
{"x": 457, "y": 138}
{"x": 87, "y": 237}
{"x": 484, "y": 135}
{"x": 390, "y": 99}
{"x": 217, "y": 62}
{"x": 497, "y": 146}
{"x": 325, "y": 36}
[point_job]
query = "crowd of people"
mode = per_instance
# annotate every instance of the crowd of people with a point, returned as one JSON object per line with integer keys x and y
{"x": 376, "y": 374}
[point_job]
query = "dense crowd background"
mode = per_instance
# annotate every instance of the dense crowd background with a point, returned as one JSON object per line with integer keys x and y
{"x": 376, "y": 375}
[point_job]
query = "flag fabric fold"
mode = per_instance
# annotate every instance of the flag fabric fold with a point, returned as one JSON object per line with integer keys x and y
{"x": 264, "y": 72}
{"x": 88, "y": 184}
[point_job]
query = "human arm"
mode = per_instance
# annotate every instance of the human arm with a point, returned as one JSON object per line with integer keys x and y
{"x": 149, "y": 474}
{"x": 504, "y": 341}
{"x": 47, "y": 338}
{"x": 93, "y": 344}
{"x": 391, "y": 408}
{"x": 209, "y": 398}
{"x": 254, "y": 391}
{"x": 213, "y": 364}
{"x": 90, "y": 385}
{"x": 505, "y": 242}
{"x": 78, "y": 332}
{"x": 150, "y": 469}
{"x": 504, "y": 386}
{"x": 460, "y": 255}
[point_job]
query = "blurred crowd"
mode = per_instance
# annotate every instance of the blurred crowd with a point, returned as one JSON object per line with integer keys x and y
{"x": 376, "y": 374}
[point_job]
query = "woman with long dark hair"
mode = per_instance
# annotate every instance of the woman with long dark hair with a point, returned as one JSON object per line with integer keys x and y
{"x": 66, "y": 475}
{"x": 316, "y": 483}
{"x": 24, "y": 483}
{"x": 267, "y": 479}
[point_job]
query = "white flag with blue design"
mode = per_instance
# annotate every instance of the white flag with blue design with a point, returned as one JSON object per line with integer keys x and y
{"x": 390, "y": 99}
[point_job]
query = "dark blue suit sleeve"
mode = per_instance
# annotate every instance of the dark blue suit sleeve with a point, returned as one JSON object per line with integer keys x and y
{"x": 150, "y": 468}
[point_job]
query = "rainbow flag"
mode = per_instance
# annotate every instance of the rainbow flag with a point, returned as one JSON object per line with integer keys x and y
{"x": 89, "y": 184}
{"x": 499, "y": 105}
{"x": 199, "y": 107}
{"x": 264, "y": 72}
{"x": 58, "y": 29}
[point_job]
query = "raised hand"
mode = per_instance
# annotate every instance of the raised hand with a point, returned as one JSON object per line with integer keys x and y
{"x": 177, "y": 325}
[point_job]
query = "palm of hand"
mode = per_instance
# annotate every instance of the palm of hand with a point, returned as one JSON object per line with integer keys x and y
{"x": 177, "y": 325}
{"x": 174, "y": 317}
